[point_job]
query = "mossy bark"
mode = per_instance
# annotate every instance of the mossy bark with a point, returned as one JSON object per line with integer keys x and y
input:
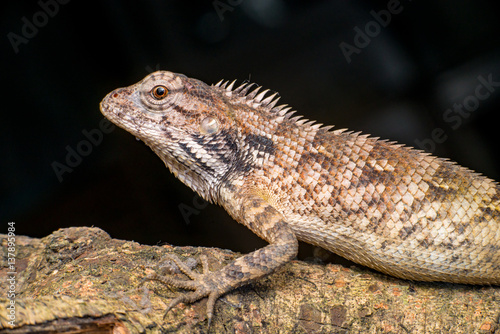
{"x": 81, "y": 278}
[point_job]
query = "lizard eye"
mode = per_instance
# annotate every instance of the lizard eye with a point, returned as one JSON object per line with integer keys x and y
{"x": 209, "y": 125}
{"x": 159, "y": 92}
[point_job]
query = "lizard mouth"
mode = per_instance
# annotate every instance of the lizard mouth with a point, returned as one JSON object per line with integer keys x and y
{"x": 116, "y": 107}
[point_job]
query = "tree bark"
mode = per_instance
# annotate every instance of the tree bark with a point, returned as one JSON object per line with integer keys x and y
{"x": 81, "y": 278}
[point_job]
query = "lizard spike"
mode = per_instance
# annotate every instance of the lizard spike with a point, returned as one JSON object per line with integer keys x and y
{"x": 224, "y": 84}
{"x": 245, "y": 89}
{"x": 259, "y": 97}
{"x": 328, "y": 127}
{"x": 303, "y": 121}
{"x": 279, "y": 108}
{"x": 339, "y": 131}
{"x": 270, "y": 101}
{"x": 311, "y": 123}
{"x": 230, "y": 87}
{"x": 316, "y": 126}
{"x": 287, "y": 113}
{"x": 219, "y": 83}
{"x": 240, "y": 87}
{"x": 296, "y": 118}
{"x": 273, "y": 102}
{"x": 252, "y": 94}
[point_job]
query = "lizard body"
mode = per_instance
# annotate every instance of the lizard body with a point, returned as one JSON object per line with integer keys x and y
{"x": 389, "y": 207}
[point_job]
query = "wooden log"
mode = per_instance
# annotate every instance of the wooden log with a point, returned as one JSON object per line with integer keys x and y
{"x": 81, "y": 279}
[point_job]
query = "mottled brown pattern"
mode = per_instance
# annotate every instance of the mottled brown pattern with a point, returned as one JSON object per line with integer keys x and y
{"x": 389, "y": 207}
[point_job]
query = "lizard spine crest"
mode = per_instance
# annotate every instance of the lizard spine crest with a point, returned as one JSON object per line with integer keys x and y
{"x": 256, "y": 100}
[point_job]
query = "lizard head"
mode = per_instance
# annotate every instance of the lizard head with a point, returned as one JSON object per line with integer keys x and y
{"x": 191, "y": 126}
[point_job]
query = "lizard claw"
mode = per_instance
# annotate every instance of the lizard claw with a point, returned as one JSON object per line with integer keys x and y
{"x": 203, "y": 285}
{"x": 192, "y": 297}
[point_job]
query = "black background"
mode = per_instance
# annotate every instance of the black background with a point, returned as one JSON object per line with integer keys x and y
{"x": 398, "y": 86}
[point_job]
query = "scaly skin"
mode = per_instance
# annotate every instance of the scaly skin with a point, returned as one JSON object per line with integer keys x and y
{"x": 389, "y": 207}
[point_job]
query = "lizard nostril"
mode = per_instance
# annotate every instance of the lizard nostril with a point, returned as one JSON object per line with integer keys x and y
{"x": 116, "y": 93}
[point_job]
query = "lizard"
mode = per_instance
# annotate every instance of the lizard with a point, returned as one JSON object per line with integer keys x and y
{"x": 384, "y": 205}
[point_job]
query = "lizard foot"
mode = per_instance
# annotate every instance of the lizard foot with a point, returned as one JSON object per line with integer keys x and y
{"x": 204, "y": 285}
